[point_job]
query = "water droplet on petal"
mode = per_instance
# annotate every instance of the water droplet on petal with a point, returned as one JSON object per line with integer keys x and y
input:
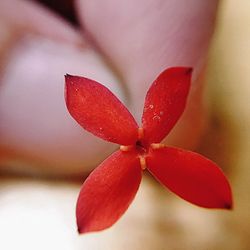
{"x": 156, "y": 118}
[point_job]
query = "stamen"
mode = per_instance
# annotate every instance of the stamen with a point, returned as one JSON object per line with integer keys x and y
{"x": 126, "y": 148}
{"x": 142, "y": 162}
{"x": 140, "y": 133}
{"x": 157, "y": 145}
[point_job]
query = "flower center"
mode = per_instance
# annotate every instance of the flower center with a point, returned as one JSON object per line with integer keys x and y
{"x": 138, "y": 147}
{"x": 141, "y": 148}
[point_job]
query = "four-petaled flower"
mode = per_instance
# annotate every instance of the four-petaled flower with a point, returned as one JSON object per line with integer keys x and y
{"x": 110, "y": 188}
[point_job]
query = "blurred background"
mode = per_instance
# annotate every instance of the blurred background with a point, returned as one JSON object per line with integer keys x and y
{"x": 37, "y": 208}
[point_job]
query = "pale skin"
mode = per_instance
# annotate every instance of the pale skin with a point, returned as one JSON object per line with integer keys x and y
{"x": 123, "y": 45}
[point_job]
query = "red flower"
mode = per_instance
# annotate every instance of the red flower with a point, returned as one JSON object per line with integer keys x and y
{"x": 110, "y": 188}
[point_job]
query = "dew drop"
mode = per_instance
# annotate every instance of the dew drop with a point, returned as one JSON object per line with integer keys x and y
{"x": 156, "y": 118}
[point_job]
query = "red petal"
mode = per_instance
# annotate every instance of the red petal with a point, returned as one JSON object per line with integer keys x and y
{"x": 191, "y": 176}
{"x": 165, "y": 102}
{"x": 98, "y": 111}
{"x": 108, "y": 192}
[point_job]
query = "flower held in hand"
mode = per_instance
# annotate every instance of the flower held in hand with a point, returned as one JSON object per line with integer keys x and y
{"x": 110, "y": 188}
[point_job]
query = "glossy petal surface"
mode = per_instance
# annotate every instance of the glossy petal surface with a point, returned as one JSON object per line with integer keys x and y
{"x": 165, "y": 102}
{"x": 191, "y": 176}
{"x": 108, "y": 191}
{"x": 99, "y": 111}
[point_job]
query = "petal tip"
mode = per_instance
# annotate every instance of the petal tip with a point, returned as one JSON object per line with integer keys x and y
{"x": 182, "y": 70}
{"x": 89, "y": 230}
{"x": 228, "y": 205}
{"x": 185, "y": 70}
{"x": 68, "y": 76}
{"x": 189, "y": 70}
{"x": 81, "y": 230}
